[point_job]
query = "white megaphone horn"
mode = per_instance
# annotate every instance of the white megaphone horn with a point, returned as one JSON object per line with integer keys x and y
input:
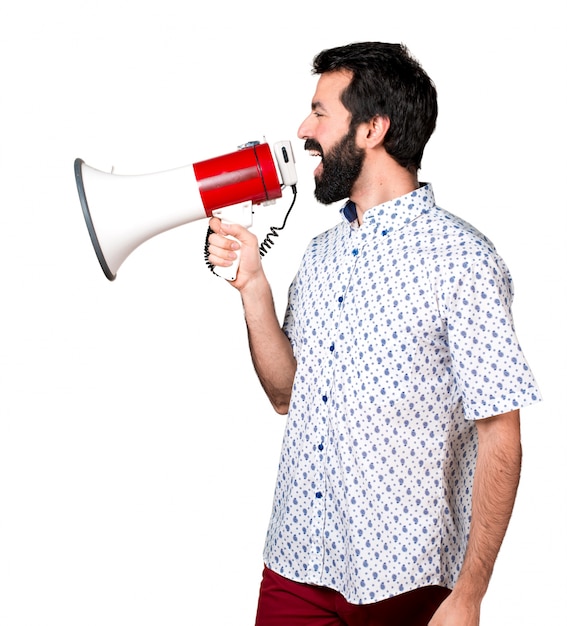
{"x": 123, "y": 211}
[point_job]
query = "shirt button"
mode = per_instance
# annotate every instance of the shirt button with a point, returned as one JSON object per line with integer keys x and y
{"x": 355, "y": 252}
{"x": 332, "y": 347}
{"x": 320, "y": 446}
{"x": 318, "y": 495}
{"x": 341, "y": 298}
{"x": 325, "y": 398}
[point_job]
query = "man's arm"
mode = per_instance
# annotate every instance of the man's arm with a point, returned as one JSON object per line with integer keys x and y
{"x": 271, "y": 350}
{"x": 494, "y": 491}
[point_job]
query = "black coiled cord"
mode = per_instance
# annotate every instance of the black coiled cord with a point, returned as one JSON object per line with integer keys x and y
{"x": 268, "y": 240}
{"x": 207, "y": 262}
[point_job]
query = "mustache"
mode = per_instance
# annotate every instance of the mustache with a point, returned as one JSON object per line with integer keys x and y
{"x": 311, "y": 144}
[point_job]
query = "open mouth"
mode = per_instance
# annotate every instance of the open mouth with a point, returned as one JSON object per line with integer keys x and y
{"x": 315, "y": 151}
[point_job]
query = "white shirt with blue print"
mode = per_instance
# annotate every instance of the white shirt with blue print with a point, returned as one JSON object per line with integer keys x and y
{"x": 403, "y": 334}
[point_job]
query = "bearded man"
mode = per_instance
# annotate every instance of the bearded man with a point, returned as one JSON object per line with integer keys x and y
{"x": 398, "y": 366}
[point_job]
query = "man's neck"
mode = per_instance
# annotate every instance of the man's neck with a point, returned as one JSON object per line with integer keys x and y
{"x": 381, "y": 183}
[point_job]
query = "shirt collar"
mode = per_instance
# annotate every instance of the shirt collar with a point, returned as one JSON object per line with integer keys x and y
{"x": 394, "y": 214}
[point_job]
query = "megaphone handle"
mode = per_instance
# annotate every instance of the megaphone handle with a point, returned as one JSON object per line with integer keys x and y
{"x": 234, "y": 214}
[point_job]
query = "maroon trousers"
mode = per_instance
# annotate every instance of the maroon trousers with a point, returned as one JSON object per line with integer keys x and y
{"x": 283, "y": 602}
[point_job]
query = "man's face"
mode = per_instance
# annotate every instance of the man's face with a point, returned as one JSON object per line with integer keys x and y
{"x": 328, "y": 134}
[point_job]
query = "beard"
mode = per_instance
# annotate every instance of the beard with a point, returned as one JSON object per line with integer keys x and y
{"x": 341, "y": 168}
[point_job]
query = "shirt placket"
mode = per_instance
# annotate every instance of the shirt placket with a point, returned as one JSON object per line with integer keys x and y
{"x": 322, "y": 499}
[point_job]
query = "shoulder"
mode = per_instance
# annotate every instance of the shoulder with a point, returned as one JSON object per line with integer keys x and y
{"x": 455, "y": 244}
{"x": 453, "y": 230}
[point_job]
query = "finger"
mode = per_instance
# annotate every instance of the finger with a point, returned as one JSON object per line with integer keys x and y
{"x": 222, "y": 242}
{"x": 216, "y": 225}
{"x": 220, "y": 251}
{"x": 241, "y": 233}
{"x": 218, "y": 255}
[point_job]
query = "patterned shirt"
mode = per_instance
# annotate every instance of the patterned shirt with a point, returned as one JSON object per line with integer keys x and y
{"x": 403, "y": 336}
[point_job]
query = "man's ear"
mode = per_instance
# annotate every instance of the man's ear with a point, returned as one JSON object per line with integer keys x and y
{"x": 377, "y": 128}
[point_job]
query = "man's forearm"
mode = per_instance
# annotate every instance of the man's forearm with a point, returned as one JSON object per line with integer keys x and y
{"x": 496, "y": 481}
{"x": 495, "y": 485}
{"x": 270, "y": 349}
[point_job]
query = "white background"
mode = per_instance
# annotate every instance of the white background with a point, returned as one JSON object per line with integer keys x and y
{"x": 137, "y": 451}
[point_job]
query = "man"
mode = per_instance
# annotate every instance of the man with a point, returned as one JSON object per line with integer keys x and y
{"x": 399, "y": 369}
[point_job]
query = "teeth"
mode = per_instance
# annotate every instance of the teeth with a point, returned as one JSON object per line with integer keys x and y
{"x": 314, "y": 153}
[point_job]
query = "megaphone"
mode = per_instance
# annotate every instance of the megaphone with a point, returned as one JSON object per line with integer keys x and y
{"x": 123, "y": 211}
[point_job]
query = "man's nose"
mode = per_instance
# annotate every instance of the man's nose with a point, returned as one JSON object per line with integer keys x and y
{"x": 304, "y": 130}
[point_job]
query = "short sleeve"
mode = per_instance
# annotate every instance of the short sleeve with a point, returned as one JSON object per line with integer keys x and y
{"x": 488, "y": 364}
